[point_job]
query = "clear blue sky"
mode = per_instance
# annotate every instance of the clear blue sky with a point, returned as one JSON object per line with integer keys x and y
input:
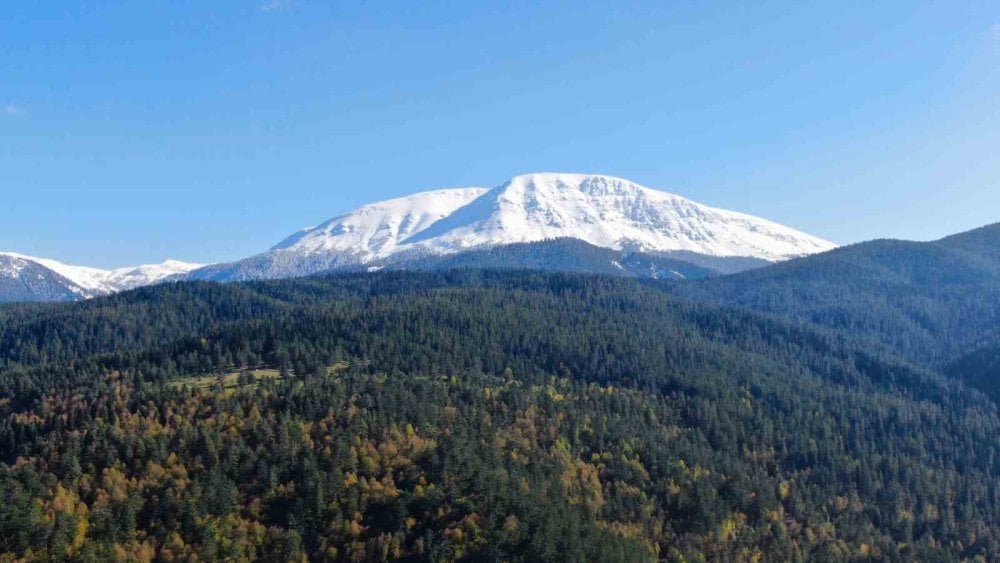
{"x": 209, "y": 131}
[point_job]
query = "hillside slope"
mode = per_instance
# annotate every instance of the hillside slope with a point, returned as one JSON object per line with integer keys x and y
{"x": 481, "y": 415}
{"x": 931, "y": 301}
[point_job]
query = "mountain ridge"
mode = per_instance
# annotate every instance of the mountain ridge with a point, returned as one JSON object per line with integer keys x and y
{"x": 63, "y": 282}
{"x": 931, "y": 301}
{"x": 602, "y": 211}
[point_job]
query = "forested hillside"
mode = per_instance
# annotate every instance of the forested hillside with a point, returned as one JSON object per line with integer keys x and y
{"x": 474, "y": 415}
{"x": 933, "y": 302}
{"x": 979, "y": 369}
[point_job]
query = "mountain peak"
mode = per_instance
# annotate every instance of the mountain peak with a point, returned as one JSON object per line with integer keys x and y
{"x": 592, "y": 184}
{"x": 603, "y": 211}
{"x": 66, "y": 281}
{"x": 608, "y": 212}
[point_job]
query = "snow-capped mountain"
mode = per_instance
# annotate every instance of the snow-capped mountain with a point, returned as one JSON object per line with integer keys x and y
{"x": 27, "y": 278}
{"x": 603, "y": 211}
{"x": 569, "y": 221}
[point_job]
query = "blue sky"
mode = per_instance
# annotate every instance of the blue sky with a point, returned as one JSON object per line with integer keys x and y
{"x": 208, "y": 131}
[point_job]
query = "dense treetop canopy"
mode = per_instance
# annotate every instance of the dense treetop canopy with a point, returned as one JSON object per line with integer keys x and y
{"x": 475, "y": 415}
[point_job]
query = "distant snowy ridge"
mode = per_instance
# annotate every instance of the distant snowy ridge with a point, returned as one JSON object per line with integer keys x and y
{"x": 86, "y": 282}
{"x": 121, "y": 279}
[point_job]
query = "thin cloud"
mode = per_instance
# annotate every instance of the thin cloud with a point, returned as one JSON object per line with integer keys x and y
{"x": 14, "y": 109}
{"x": 996, "y": 31}
{"x": 275, "y": 5}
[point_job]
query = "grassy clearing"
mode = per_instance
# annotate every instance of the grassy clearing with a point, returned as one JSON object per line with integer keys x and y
{"x": 226, "y": 381}
{"x": 231, "y": 380}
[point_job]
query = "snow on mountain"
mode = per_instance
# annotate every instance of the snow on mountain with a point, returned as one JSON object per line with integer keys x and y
{"x": 147, "y": 274}
{"x": 611, "y": 213}
{"x": 88, "y": 281}
{"x": 601, "y": 210}
{"x": 376, "y": 230}
{"x": 24, "y": 280}
{"x": 81, "y": 281}
{"x": 351, "y": 240}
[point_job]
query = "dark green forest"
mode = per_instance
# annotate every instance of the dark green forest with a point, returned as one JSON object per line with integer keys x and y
{"x": 477, "y": 416}
{"x": 932, "y": 302}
